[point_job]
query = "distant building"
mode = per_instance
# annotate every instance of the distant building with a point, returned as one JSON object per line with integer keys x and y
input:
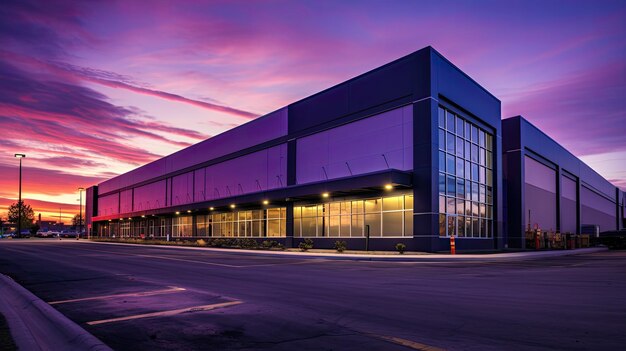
{"x": 414, "y": 151}
{"x": 52, "y": 226}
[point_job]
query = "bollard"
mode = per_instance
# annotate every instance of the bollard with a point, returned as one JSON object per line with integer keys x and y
{"x": 452, "y": 245}
{"x": 537, "y": 242}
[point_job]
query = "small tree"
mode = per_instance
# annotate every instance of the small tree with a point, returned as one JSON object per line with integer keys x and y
{"x": 28, "y": 215}
{"x": 78, "y": 222}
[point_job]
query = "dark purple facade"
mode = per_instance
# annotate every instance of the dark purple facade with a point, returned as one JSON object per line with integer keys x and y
{"x": 409, "y": 152}
{"x": 549, "y": 188}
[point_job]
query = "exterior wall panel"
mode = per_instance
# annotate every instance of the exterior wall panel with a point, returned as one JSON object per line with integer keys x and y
{"x": 149, "y": 196}
{"x": 568, "y": 205}
{"x": 259, "y": 171}
{"x": 372, "y": 144}
{"x": 109, "y": 205}
{"x": 260, "y": 130}
{"x": 540, "y": 195}
{"x": 596, "y": 209}
{"x": 182, "y": 189}
{"x": 126, "y": 201}
{"x": 198, "y": 186}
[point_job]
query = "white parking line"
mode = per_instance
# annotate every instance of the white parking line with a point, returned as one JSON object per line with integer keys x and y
{"x": 168, "y": 313}
{"x": 407, "y": 343}
{"x": 190, "y": 261}
{"x": 172, "y": 289}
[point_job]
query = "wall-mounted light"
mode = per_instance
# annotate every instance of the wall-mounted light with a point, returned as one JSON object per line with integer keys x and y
{"x": 143, "y": 216}
{"x": 266, "y": 202}
{"x": 232, "y": 206}
{"x": 177, "y": 212}
{"x": 211, "y": 208}
{"x": 388, "y": 187}
{"x": 188, "y": 211}
{"x": 325, "y": 195}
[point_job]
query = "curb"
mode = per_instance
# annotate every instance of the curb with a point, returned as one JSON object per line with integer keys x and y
{"x": 528, "y": 255}
{"x": 35, "y": 325}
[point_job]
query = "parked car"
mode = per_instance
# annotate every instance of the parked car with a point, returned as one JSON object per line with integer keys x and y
{"x": 43, "y": 234}
{"x": 67, "y": 234}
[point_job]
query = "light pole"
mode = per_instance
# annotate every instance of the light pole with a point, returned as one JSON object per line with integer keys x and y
{"x": 19, "y": 201}
{"x": 80, "y": 212}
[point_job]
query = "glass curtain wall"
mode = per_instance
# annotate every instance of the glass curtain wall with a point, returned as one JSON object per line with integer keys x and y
{"x": 385, "y": 217}
{"x": 269, "y": 222}
{"x": 465, "y": 178}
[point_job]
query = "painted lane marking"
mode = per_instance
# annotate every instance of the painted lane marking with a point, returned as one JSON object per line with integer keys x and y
{"x": 165, "y": 258}
{"x": 168, "y": 313}
{"x": 406, "y": 343}
{"x": 172, "y": 289}
{"x": 190, "y": 261}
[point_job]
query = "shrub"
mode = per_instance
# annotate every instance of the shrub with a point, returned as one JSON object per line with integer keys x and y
{"x": 307, "y": 244}
{"x": 201, "y": 242}
{"x": 340, "y": 246}
{"x": 248, "y": 243}
{"x": 268, "y": 244}
{"x": 400, "y": 247}
{"x": 217, "y": 242}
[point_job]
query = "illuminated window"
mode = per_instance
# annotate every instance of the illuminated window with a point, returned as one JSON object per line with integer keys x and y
{"x": 384, "y": 217}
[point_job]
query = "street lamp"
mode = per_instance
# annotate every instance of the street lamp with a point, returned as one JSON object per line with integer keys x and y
{"x": 19, "y": 201}
{"x": 80, "y": 212}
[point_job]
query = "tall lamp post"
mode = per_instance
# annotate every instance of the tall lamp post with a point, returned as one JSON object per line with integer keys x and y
{"x": 19, "y": 201}
{"x": 80, "y": 212}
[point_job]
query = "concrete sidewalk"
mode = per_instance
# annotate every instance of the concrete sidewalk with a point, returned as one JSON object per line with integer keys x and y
{"x": 386, "y": 256}
{"x": 36, "y": 326}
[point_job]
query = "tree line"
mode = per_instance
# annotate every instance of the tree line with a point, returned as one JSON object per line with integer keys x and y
{"x": 28, "y": 217}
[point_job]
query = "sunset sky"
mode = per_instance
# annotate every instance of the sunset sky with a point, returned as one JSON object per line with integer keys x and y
{"x": 92, "y": 89}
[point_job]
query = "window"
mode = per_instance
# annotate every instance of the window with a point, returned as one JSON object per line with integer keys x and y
{"x": 269, "y": 222}
{"x": 465, "y": 177}
{"x": 182, "y": 226}
{"x": 384, "y": 217}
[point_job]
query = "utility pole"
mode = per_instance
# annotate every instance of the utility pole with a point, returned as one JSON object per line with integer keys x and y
{"x": 19, "y": 201}
{"x": 80, "y": 212}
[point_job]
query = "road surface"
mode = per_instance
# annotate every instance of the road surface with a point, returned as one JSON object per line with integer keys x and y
{"x": 157, "y": 298}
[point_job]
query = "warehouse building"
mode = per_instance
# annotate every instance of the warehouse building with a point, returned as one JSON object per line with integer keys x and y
{"x": 409, "y": 152}
{"x": 549, "y": 188}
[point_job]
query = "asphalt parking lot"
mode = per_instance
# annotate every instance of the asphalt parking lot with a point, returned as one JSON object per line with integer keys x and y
{"x": 160, "y": 298}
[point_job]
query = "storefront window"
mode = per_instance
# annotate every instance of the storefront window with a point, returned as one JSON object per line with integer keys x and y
{"x": 385, "y": 217}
